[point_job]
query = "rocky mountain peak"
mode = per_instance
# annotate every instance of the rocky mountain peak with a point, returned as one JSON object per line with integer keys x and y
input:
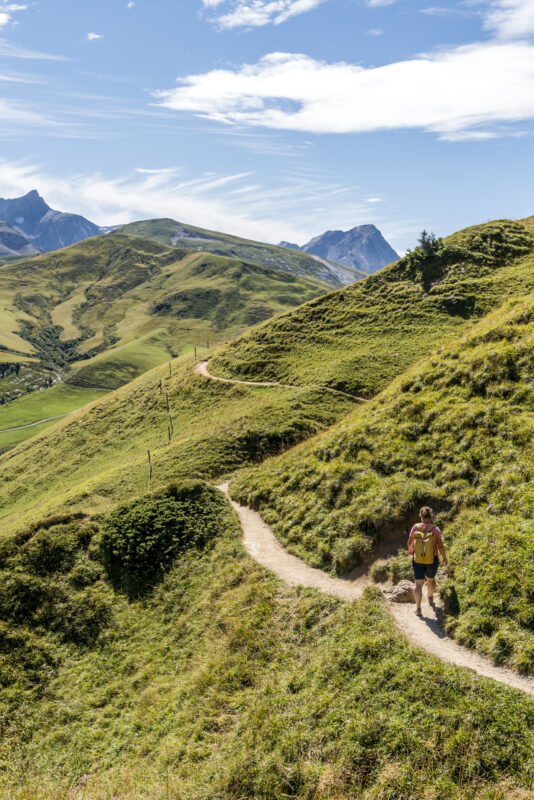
{"x": 362, "y": 247}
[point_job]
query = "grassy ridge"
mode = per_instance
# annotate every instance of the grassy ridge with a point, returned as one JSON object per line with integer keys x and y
{"x": 359, "y": 338}
{"x": 98, "y": 456}
{"x": 456, "y": 431}
{"x": 170, "y": 232}
{"x": 224, "y": 683}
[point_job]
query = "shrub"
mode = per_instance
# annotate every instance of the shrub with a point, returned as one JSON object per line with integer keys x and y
{"x": 141, "y": 539}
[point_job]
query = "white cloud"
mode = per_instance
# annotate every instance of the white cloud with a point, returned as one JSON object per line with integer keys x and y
{"x": 378, "y": 3}
{"x": 93, "y": 37}
{"x": 450, "y": 91}
{"x": 296, "y": 210}
{"x": 7, "y": 10}
{"x": 511, "y": 18}
{"x": 375, "y": 32}
{"x": 131, "y": 4}
{"x": 255, "y": 13}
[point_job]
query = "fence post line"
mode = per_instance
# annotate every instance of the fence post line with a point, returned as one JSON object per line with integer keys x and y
{"x": 149, "y": 469}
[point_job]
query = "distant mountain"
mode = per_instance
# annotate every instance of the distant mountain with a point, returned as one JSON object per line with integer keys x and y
{"x": 38, "y": 227}
{"x": 13, "y": 243}
{"x": 363, "y": 248}
{"x": 289, "y": 245}
{"x": 307, "y": 265}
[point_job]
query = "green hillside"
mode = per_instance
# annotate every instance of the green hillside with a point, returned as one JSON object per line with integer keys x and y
{"x": 104, "y": 311}
{"x": 456, "y": 431}
{"x": 96, "y": 457}
{"x": 217, "y": 681}
{"x": 145, "y": 655}
{"x": 357, "y": 339}
{"x": 170, "y": 232}
{"x": 60, "y": 399}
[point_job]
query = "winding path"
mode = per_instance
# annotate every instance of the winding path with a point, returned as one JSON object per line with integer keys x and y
{"x": 202, "y": 369}
{"x": 425, "y": 632}
{"x": 33, "y": 424}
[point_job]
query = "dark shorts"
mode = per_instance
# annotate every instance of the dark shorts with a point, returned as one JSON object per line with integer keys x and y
{"x": 422, "y": 571}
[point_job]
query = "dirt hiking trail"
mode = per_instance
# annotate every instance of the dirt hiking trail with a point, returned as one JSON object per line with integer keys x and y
{"x": 202, "y": 369}
{"x": 425, "y": 632}
{"x": 33, "y": 424}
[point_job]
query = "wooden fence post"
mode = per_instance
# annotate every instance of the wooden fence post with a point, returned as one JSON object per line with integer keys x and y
{"x": 149, "y": 469}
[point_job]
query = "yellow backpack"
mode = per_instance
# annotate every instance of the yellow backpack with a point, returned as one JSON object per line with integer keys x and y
{"x": 423, "y": 544}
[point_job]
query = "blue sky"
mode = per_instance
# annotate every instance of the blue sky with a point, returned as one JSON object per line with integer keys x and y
{"x": 274, "y": 119}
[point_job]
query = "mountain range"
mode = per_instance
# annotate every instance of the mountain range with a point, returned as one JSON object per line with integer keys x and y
{"x": 363, "y": 248}
{"x": 29, "y": 226}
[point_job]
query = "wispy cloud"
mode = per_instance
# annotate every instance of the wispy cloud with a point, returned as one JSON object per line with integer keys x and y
{"x": 305, "y": 204}
{"x": 255, "y": 13}
{"x": 14, "y": 51}
{"x": 13, "y": 113}
{"x": 93, "y": 37}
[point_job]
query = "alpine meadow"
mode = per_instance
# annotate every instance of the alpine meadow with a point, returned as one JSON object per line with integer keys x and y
{"x": 266, "y": 400}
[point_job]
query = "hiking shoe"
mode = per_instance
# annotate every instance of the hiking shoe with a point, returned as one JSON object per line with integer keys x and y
{"x": 418, "y": 612}
{"x": 431, "y": 602}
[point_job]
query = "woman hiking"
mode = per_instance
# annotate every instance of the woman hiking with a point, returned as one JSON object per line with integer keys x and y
{"x": 424, "y": 544}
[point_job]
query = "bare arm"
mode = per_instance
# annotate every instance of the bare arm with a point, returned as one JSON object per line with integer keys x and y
{"x": 441, "y": 549}
{"x": 410, "y": 543}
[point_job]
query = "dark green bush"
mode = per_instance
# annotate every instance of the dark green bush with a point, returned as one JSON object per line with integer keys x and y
{"x": 141, "y": 539}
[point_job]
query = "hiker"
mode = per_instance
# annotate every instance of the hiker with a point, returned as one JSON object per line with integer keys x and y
{"x": 423, "y": 545}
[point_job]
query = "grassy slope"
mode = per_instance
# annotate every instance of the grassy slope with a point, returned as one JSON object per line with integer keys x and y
{"x": 98, "y": 456}
{"x": 108, "y": 309}
{"x": 359, "y": 338}
{"x": 169, "y": 232}
{"x": 59, "y": 399}
{"x": 457, "y": 429}
{"x": 225, "y": 684}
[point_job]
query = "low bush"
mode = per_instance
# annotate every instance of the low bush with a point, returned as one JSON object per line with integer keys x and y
{"x": 141, "y": 539}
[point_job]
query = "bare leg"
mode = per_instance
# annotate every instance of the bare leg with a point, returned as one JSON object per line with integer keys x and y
{"x": 430, "y": 589}
{"x": 418, "y": 594}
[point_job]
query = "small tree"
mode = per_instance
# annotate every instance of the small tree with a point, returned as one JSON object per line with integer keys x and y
{"x": 428, "y": 242}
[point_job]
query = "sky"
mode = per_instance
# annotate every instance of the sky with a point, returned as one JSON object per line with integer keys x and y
{"x": 271, "y": 119}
